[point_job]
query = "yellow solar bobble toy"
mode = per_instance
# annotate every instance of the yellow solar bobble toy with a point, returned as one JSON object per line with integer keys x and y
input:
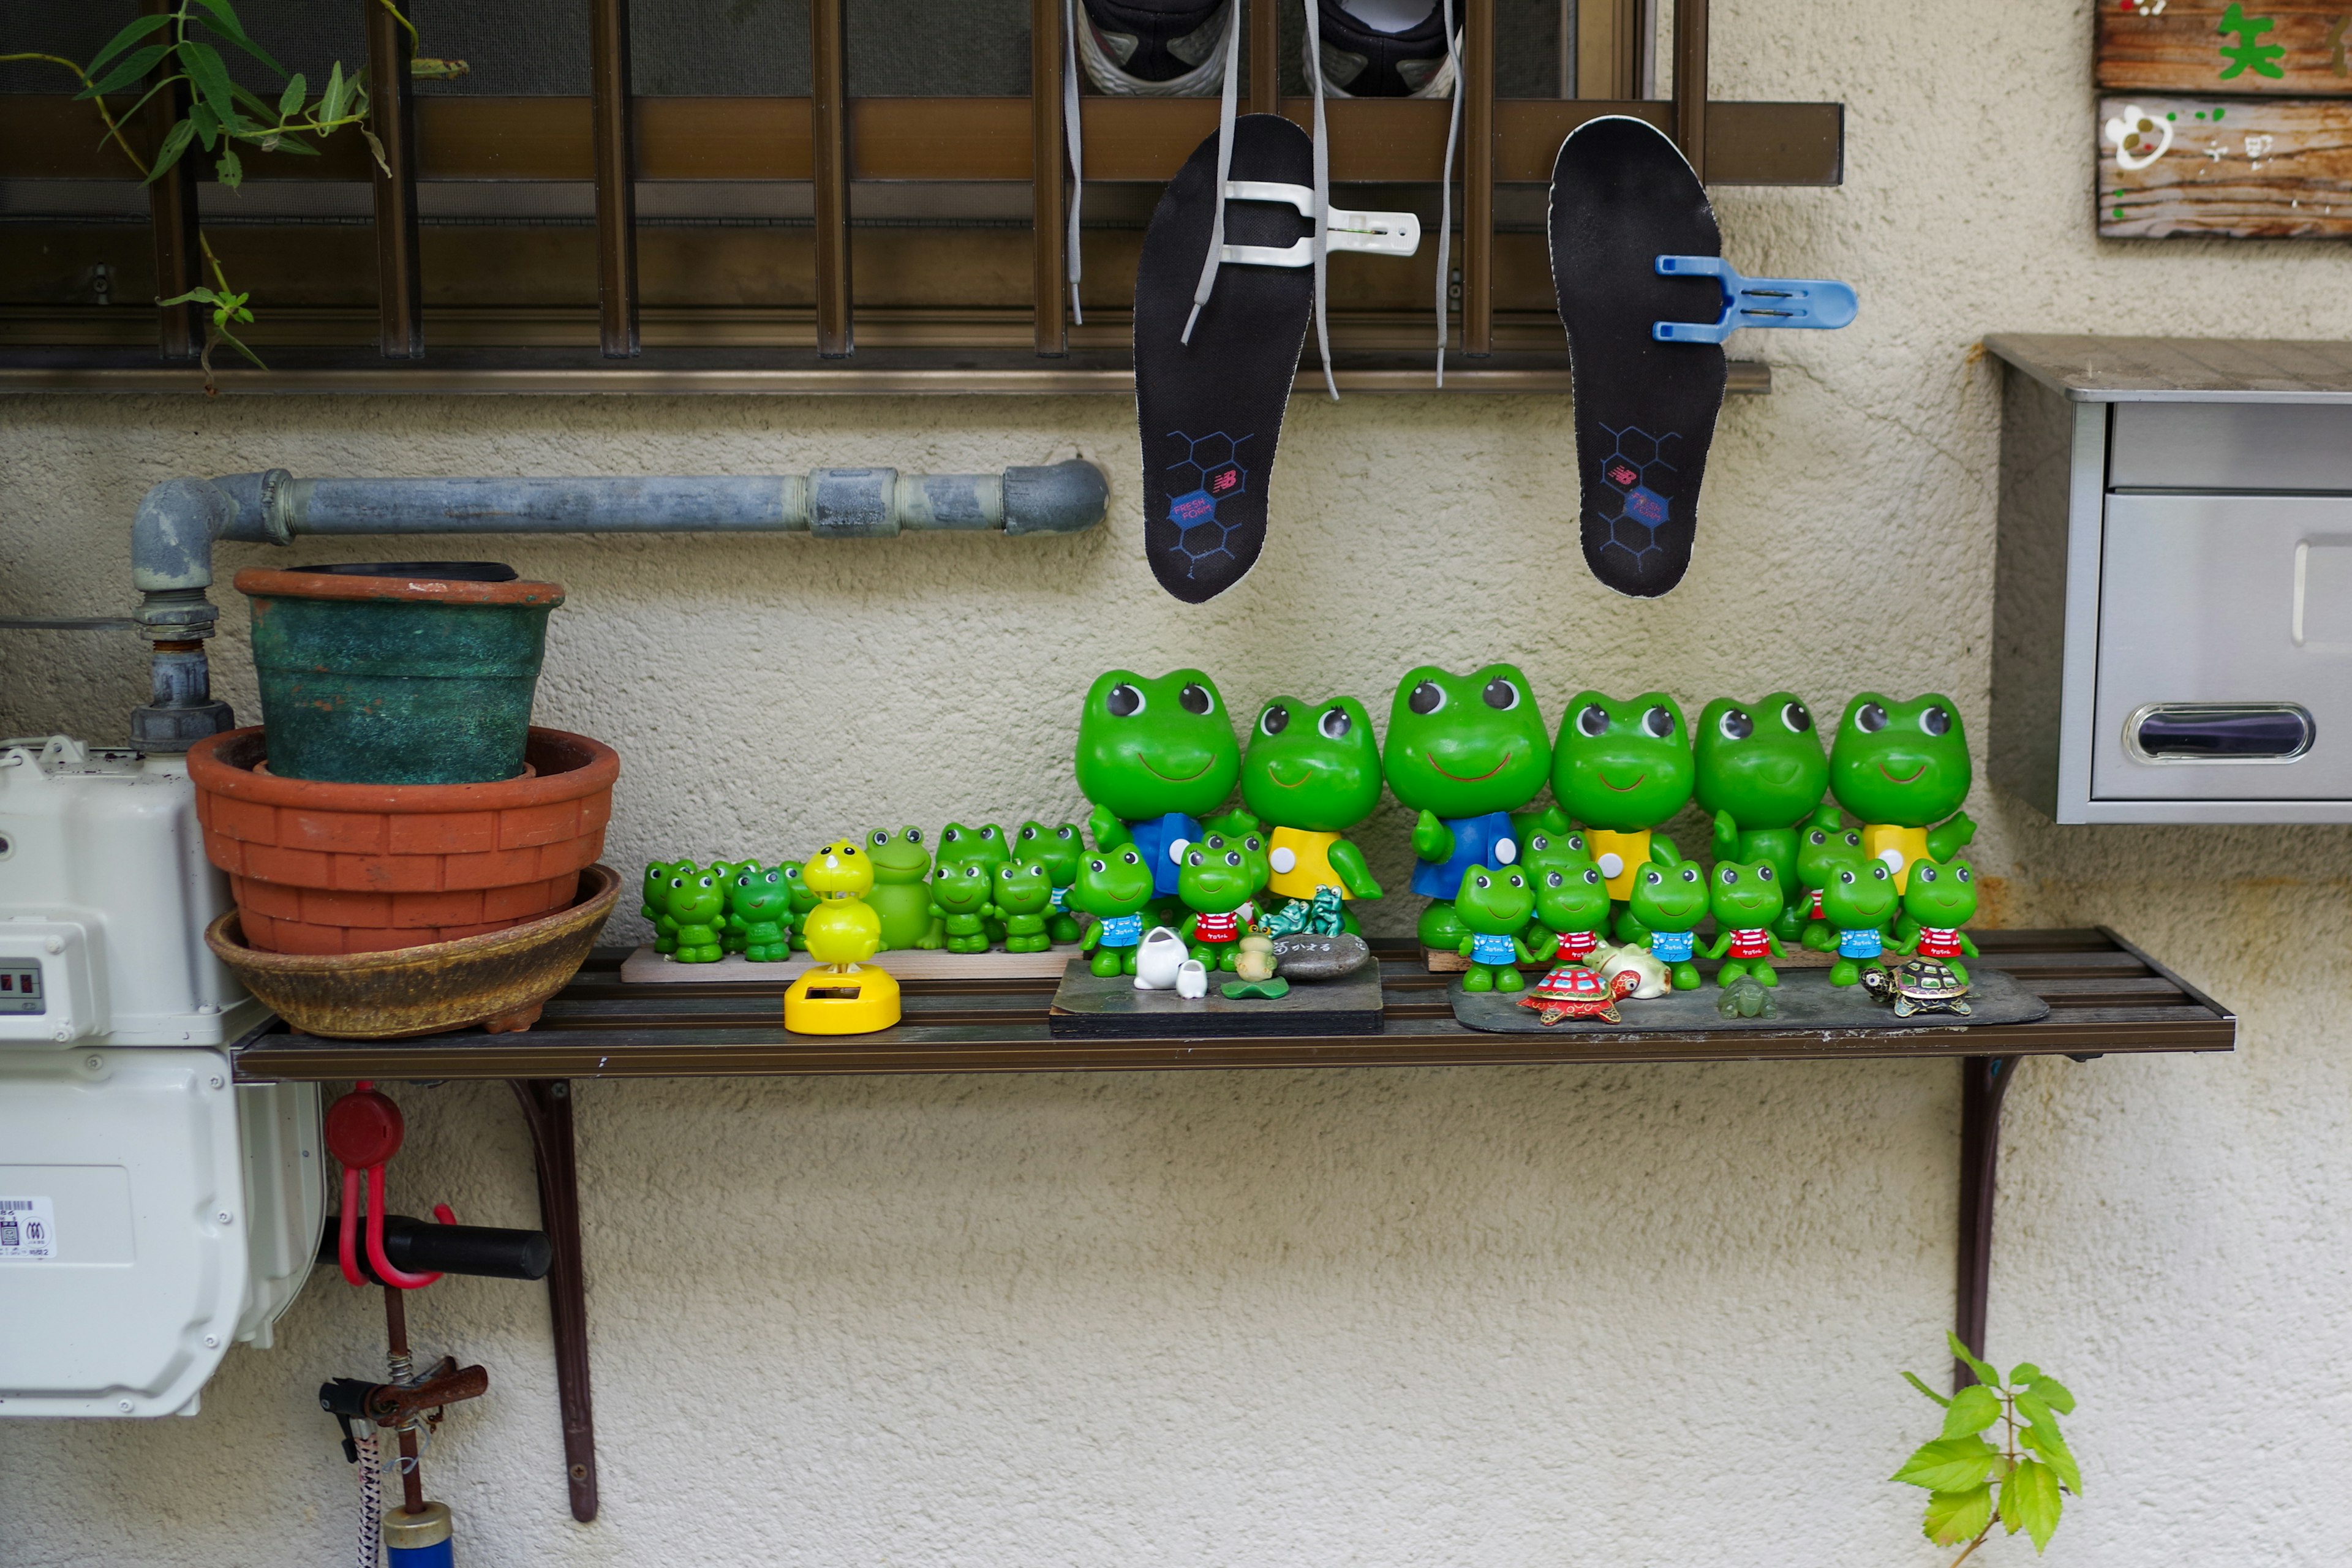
{"x": 841, "y": 993}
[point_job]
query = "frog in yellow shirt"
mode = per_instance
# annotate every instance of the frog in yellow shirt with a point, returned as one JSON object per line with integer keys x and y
{"x": 1311, "y": 772}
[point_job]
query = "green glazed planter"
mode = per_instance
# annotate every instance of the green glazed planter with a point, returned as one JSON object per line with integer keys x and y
{"x": 397, "y": 678}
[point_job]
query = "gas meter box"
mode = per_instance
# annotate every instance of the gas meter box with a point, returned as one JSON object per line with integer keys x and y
{"x": 104, "y": 897}
{"x": 2172, "y": 612}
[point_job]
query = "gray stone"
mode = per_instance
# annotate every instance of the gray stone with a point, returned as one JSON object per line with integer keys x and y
{"x": 1307, "y": 957}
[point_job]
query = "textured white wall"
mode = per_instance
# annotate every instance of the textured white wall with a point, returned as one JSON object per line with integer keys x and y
{"x": 1621, "y": 1316}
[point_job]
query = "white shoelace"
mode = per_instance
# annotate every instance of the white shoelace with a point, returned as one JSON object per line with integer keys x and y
{"x": 1445, "y": 187}
{"x": 1225, "y": 170}
{"x": 1322, "y": 190}
{"x": 1076, "y": 138}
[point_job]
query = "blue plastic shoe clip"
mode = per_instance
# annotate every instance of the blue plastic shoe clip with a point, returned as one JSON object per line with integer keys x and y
{"x": 1816, "y": 302}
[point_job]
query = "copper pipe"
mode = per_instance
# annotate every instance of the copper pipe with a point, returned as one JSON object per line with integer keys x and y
{"x": 395, "y": 1335}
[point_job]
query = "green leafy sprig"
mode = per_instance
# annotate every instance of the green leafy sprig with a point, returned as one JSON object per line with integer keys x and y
{"x": 2016, "y": 1483}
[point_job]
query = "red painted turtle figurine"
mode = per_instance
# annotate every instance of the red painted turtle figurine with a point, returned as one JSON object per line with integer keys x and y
{"x": 1572, "y": 991}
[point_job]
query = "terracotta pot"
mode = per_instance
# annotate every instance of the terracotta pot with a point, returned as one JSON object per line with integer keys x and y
{"x": 500, "y": 980}
{"x": 323, "y": 867}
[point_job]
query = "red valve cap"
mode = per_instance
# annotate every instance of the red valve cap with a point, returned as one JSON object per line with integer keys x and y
{"x": 363, "y": 1128}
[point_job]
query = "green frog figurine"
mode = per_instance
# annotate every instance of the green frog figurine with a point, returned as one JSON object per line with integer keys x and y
{"x": 1904, "y": 769}
{"x": 902, "y": 864}
{"x": 759, "y": 911}
{"x": 963, "y": 901}
{"x": 1216, "y": 884}
{"x": 1824, "y": 847}
{"x": 1669, "y": 900}
{"x": 1572, "y": 904}
{"x": 1941, "y": 898}
{"x": 697, "y": 904}
{"x": 1495, "y": 907}
{"x": 1312, "y": 775}
{"x": 1059, "y": 850}
{"x": 804, "y": 902}
{"x": 1857, "y": 903}
{"x": 1155, "y": 757}
{"x": 1113, "y": 886}
{"x": 654, "y": 902}
{"x": 1622, "y": 770}
{"x": 1761, "y": 775}
{"x": 1024, "y": 897}
{"x": 1746, "y": 899}
{"x": 1464, "y": 752}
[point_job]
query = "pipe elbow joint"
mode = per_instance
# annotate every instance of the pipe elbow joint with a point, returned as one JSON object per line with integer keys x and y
{"x": 1065, "y": 498}
{"x": 172, "y": 537}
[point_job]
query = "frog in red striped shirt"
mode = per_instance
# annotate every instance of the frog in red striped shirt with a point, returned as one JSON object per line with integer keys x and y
{"x": 1216, "y": 883}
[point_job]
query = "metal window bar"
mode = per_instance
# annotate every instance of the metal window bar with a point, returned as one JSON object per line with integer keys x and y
{"x": 400, "y": 281}
{"x": 617, "y": 191}
{"x": 172, "y": 209}
{"x": 829, "y": 143}
{"x": 1050, "y": 198}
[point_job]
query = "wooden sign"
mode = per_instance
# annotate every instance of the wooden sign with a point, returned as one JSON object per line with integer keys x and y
{"x": 2241, "y": 168}
{"x": 2254, "y": 47}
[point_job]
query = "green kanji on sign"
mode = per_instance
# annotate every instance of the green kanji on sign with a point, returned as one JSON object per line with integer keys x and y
{"x": 2262, "y": 57}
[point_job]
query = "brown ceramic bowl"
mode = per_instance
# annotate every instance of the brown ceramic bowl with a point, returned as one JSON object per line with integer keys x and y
{"x": 498, "y": 981}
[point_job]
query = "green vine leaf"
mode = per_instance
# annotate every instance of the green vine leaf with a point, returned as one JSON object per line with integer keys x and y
{"x": 1912, "y": 1379}
{"x": 1960, "y": 1352}
{"x": 125, "y": 38}
{"x": 2029, "y": 1502}
{"x": 1972, "y": 1409}
{"x": 174, "y": 143}
{"x": 1948, "y": 1464}
{"x": 129, "y": 69}
{"x": 289, "y": 103}
{"x": 1955, "y": 1517}
{"x": 226, "y": 24}
{"x": 2046, "y": 1441}
{"x": 2051, "y": 1391}
{"x": 228, "y": 169}
{"x": 331, "y": 101}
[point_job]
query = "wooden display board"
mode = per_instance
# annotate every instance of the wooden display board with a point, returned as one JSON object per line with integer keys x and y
{"x": 2224, "y": 117}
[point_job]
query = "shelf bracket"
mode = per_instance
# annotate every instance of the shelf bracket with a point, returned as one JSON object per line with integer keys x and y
{"x": 547, "y": 1110}
{"x": 1984, "y": 1083}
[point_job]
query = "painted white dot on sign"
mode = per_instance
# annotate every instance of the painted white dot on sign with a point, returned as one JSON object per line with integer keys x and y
{"x": 1506, "y": 851}
{"x": 1893, "y": 858}
{"x": 1612, "y": 864}
{"x": 1283, "y": 859}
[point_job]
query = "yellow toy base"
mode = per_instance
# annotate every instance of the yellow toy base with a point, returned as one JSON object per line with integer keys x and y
{"x": 842, "y": 999}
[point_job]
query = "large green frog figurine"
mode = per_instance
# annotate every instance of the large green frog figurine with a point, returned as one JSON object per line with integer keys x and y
{"x": 902, "y": 864}
{"x": 1745, "y": 901}
{"x": 1113, "y": 886}
{"x": 1059, "y": 850}
{"x": 1156, "y": 757}
{"x": 1312, "y": 772}
{"x": 1497, "y": 907}
{"x": 1761, "y": 775}
{"x": 1904, "y": 769}
{"x": 1465, "y": 752}
{"x": 1622, "y": 770}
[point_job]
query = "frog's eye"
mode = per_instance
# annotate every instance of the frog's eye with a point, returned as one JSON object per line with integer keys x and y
{"x": 1196, "y": 699}
{"x": 1500, "y": 695}
{"x": 1763, "y": 873}
{"x": 1124, "y": 701}
{"x": 1132, "y": 858}
{"x": 1878, "y": 870}
{"x": 1036, "y": 870}
{"x": 1193, "y": 858}
{"x": 1937, "y": 720}
{"x": 1483, "y": 883}
{"x": 1273, "y": 721}
{"x": 1427, "y": 698}
{"x": 1870, "y": 718}
{"x": 1961, "y": 874}
{"x": 1817, "y": 838}
{"x": 1097, "y": 866}
{"x": 1538, "y": 843}
{"x": 1594, "y": 720}
{"x": 1730, "y": 875}
{"x": 705, "y": 882}
{"x": 1252, "y": 844}
{"x": 1847, "y": 878}
{"x": 1554, "y": 880}
{"x": 1029, "y": 833}
{"x": 973, "y": 870}
{"x": 1653, "y": 877}
{"x": 678, "y": 882}
{"x": 743, "y": 881}
{"x": 952, "y": 835}
{"x": 1795, "y": 715}
{"x": 1233, "y": 856}
{"x": 1516, "y": 880}
{"x": 1734, "y": 725}
{"x": 1690, "y": 873}
{"x": 1065, "y": 832}
{"x": 1852, "y": 839}
{"x": 1335, "y": 723}
{"x": 1592, "y": 876}
{"x": 990, "y": 831}
{"x": 881, "y": 836}
{"x": 1924, "y": 873}
{"x": 914, "y": 835}
{"x": 1658, "y": 722}
{"x": 774, "y": 876}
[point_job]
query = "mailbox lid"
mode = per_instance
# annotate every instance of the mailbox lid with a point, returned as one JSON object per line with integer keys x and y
{"x": 2224, "y": 600}
{"x": 2231, "y": 446}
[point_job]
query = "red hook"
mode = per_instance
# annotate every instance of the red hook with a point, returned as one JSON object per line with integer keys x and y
{"x": 363, "y": 1131}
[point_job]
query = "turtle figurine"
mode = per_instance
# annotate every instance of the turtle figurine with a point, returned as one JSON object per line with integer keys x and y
{"x": 1918, "y": 985}
{"x": 1572, "y": 991}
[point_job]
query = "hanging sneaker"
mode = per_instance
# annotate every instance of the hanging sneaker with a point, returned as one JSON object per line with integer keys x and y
{"x": 1385, "y": 48}
{"x": 1155, "y": 48}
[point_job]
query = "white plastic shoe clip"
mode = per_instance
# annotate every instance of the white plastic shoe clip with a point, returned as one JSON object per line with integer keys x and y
{"x": 1380, "y": 233}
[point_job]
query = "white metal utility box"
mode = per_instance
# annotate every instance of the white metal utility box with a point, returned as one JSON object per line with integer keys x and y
{"x": 2172, "y": 610}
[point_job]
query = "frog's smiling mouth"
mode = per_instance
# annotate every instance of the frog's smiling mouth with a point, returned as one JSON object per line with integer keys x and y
{"x": 1638, "y": 779}
{"x": 1912, "y": 778}
{"x": 1474, "y": 778}
{"x": 1301, "y": 781}
{"x": 1173, "y": 778}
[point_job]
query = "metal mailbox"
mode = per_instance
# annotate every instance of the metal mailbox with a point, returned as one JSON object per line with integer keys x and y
{"x": 2172, "y": 609}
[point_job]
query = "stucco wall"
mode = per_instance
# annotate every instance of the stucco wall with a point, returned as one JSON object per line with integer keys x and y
{"x": 1621, "y": 1316}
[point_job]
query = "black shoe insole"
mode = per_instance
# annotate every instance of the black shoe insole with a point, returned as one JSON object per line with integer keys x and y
{"x": 1621, "y": 196}
{"x": 1211, "y": 411}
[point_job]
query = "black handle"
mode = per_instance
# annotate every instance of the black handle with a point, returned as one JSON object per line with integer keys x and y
{"x": 2225, "y": 731}
{"x": 420, "y": 1247}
